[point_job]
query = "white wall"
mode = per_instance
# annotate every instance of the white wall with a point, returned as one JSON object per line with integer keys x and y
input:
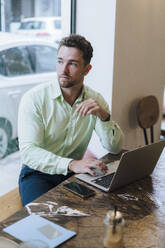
{"x": 139, "y": 67}
{"x": 139, "y": 56}
{"x": 96, "y": 21}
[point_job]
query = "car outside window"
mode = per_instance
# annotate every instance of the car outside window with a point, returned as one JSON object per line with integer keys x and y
{"x": 2, "y": 67}
{"x": 32, "y": 25}
{"x": 57, "y": 24}
{"x": 16, "y": 61}
{"x": 43, "y": 58}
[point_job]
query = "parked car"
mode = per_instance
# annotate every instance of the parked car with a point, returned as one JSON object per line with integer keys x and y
{"x": 24, "y": 63}
{"x": 43, "y": 27}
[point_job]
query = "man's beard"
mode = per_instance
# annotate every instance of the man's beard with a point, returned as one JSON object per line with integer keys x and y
{"x": 67, "y": 83}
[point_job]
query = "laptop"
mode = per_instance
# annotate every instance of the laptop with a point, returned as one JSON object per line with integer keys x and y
{"x": 132, "y": 166}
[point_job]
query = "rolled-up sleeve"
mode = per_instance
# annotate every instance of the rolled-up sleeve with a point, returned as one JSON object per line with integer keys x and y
{"x": 109, "y": 132}
{"x": 110, "y": 135}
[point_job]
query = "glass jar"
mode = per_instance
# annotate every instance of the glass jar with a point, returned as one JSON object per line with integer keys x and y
{"x": 113, "y": 234}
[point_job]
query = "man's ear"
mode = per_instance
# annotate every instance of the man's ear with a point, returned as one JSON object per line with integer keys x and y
{"x": 87, "y": 69}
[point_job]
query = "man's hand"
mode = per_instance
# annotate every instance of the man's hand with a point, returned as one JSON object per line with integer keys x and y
{"x": 90, "y": 106}
{"x": 87, "y": 166}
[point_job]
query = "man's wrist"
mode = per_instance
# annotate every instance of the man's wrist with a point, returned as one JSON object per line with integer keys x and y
{"x": 70, "y": 165}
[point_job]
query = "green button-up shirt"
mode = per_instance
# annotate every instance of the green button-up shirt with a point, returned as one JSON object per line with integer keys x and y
{"x": 51, "y": 132}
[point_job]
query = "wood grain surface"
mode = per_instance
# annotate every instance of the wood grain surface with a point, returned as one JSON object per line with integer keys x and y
{"x": 142, "y": 204}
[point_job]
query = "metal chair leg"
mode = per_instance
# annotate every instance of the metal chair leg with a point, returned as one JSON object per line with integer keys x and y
{"x": 145, "y": 136}
{"x": 152, "y": 134}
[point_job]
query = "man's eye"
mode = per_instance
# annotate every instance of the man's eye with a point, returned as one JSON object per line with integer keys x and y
{"x": 73, "y": 64}
{"x": 59, "y": 61}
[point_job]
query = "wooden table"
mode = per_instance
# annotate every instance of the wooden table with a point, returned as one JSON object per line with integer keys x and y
{"x": 142, "y": 204}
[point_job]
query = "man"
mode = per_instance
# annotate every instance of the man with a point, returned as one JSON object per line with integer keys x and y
{"x": 56, "y": 121}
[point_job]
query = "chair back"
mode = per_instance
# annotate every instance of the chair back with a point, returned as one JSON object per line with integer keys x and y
{"x": 147, "y": 115}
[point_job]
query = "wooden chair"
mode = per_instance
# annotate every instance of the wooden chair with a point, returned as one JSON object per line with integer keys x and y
{"x": 10, "y": 203}
{"x": 147, "y": 115}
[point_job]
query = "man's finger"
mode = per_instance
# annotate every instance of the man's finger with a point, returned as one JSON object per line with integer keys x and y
{"x": 91, "y": 172}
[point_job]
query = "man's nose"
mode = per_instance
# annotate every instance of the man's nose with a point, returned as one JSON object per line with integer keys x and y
{"x": 65, "y": 68}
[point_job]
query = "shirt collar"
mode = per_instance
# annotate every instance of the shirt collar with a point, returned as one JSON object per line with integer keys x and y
{"x": 55, "y": 90}
{"x": 81, "y": 96}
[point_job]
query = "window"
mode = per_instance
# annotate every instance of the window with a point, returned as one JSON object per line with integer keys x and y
{"x": 29, "y": 18}
{"x": 16, "y": 61}
{"x": 43, "y": 58}
{"x": 32, "y": 25}
{"x": 57, "y": 24}
{"x": 2, "y": 66}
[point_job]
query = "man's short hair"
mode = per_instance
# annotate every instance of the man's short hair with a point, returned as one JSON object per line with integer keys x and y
{"x": 79, "y": 42}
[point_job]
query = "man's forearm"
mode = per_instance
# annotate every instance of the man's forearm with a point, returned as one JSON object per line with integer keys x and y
{"x": 43, "y": 160}
{"x": 110, "y": 134}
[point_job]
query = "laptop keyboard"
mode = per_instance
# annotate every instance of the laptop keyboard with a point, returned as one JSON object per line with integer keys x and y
{"x": 104, "y": 181}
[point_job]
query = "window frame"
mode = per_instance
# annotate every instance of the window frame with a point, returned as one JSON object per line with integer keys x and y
{"x": 72, "y": 16}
